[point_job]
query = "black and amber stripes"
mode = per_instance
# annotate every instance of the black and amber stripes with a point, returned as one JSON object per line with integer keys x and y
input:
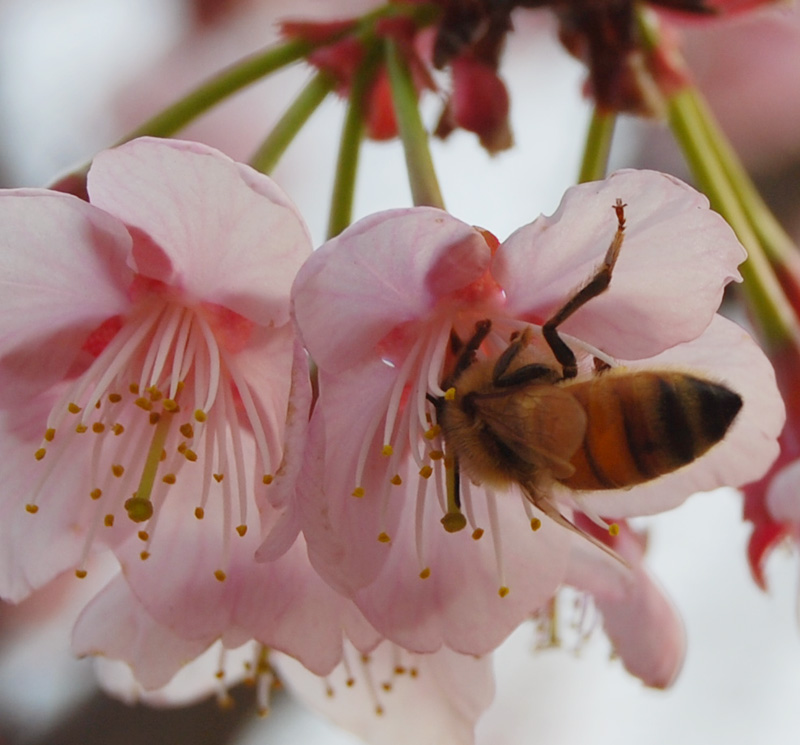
{"x": 644, "y": 424}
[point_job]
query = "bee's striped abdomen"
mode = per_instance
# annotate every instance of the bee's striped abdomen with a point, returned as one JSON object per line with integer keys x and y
{"x": 645, "y": 424}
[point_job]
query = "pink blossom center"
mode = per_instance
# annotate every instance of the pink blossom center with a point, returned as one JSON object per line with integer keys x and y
{"x": 164, "y": 394}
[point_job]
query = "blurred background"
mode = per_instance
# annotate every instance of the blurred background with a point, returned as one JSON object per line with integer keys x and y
{"x": 75, "y": 75}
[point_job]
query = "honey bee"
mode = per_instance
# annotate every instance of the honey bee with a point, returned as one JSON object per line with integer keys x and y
{"x": 514, "y": 419}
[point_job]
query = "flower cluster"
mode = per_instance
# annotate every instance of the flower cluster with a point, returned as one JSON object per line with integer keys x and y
{"x": 370, "y": 463}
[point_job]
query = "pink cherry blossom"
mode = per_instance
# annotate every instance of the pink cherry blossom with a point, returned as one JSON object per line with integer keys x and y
{"x": 147, "y": 358}
{"x": 641, "y": 622}
{"x": 377, "y": 307}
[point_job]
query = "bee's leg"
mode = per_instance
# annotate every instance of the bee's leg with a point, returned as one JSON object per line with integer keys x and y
{"x": 541, "y": 502}
{"x": 596, "y": 285}
{"x": 466, "y": 353}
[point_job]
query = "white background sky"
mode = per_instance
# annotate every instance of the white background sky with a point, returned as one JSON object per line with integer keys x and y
{"x": 63, "y": 63}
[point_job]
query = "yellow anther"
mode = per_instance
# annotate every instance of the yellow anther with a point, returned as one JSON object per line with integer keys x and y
{"x": 182, "y": 448}
{"x": 155, "y": 394}
{"x": 613, "y": 529}
{"x": 267, "y": 479}
{"x": 436, "y": 455}
{"x": 187, "y": 430}
{"x": 97, "y": 404}
{"x": 425, "y": 472}
{"x": 169, "y": 478}
{"x": 96, "y": 493}
{"x": 163, "y": 455}
{"x": 199, "y": 513}
{"x": 171, "y": 405}
{"x": 190, "y": 455}
{"x": 431, "y": 434}
{"x": 143, "y": 535}
{"x": 73, "y": 408}
{"x": 453, "y": 522}
{"x": 386, "y": 686}
{"x": 450, "y": 394}
{"x": 218, "y": 477}
{"x": 155, "y": 417}
{"x": 200, "y": 415}
{"x": 81, "y": 428}
{"x": 139, "y": 509}
{"x": 32, "y": 508}
{"x": 114, "y": 398}
{"x": 49, "y": 434}
{"x": 40, "y": 453}
{"x": 144, "y": 555}
{"x": 503, "y": 591}
{"x": 80, "y": 573}
{"x": 98, "y": 427}
{"x": 399, "y": 670}
{"x": 425, "y": 573}
{"x": 144, "y": 403}
{"x": 384, "y": 538}
{"x": 396, "y": 480}
{"x": 241, "y": 529}
{"x": 181, "y": 385}
{"x": 117, "y": 470}
{"x": 134, "y": 388}
{"x": 379, "y": 711}
{"x": 220, "y": 575}
{"x": 118, "y": 429}
{"x": 387, "y": 450}
{"x": 536, "y": 523}
{"x": 108, "y": 520}
{"x": 358, "y": 492}
{"x": 477, "y": 534}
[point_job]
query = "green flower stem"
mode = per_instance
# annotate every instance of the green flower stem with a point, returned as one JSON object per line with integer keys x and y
{"x": 598, "y": 145}
{"x": 765, "y": 295}
{"x": 292, "y": 121}
{"x": 421, "y": 174}
{"x": 344, "y": 184}
{"x": 778, "y": 245}
{"x": 222, "y": 85}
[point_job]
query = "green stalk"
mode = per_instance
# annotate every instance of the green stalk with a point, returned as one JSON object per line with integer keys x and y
{"x": 222, "y": 85}
{"x": 765, "y": 294}
{"x": 421, "y": 174}
{"x": 292, "y": 121}
{"x": 778, "y": 245}
{"x": 344, "y": 184}
{"x": 594, "y": 165}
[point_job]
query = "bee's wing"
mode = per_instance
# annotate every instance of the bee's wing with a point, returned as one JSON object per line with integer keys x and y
{"x": 543, "y": 425}
{"x": 542, "y": 502}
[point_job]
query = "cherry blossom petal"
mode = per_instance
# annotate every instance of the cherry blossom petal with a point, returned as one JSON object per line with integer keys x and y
{"x": 676, "y": 258}
{"x": 399, "y": 697}
{"x": 783, "y": 495}
{"x": 368, "y": 281}
{"x": 727, "y": 354}
{"x": 218, "y": 230}
{"x": 115, "y": 625}
{"x": 212, "y": 672}
{"x": 35, "y": 548}
{"x": 53, "y": 248}
{"x": 466, "y": 577}
{"x": 641, "y": 622}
